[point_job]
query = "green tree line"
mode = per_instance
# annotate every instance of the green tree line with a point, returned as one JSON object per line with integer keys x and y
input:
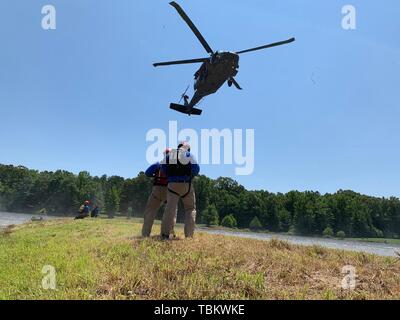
{"x": 220, "y": 200}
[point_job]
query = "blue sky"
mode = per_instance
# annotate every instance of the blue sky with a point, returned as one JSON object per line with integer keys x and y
{"x": 325, "y": 109}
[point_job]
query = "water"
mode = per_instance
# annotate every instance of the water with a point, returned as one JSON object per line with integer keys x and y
{"x": 381, "y": 249}
{"x": 7, "y": 218}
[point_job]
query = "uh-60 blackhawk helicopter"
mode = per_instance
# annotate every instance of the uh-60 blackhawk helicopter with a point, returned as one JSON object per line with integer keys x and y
{"x": 218, "y": 68}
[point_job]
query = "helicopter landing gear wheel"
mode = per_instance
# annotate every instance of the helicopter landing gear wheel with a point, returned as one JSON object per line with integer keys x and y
{"x": 230, "y": 83}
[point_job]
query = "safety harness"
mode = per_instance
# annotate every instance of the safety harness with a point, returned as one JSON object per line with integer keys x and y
{"x": 179, "y": 169}
{"x": 186, "y": 194}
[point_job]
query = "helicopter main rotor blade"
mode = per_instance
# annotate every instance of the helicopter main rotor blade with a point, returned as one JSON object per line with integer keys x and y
{"x": 192, "y": 26}
{"x": 169, "y": 63}
{"x": 268, "y": 46}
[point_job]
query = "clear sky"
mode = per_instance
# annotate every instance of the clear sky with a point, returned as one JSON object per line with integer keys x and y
{"x": 325, "y": 109}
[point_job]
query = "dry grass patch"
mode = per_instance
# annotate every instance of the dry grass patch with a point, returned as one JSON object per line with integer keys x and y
{"x": 105, "y": 259}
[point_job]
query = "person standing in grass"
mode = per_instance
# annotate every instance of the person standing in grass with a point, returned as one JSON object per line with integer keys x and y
{"x": 180, "y": 167}
{"x": 95, "y": 212}
{"x": 84, "y": 211}
{"x": 158, "y": 195}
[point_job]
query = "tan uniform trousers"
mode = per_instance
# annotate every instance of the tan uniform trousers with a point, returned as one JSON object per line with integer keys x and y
{"x": 179, "y": 191}
{"x": 157, "y": 198}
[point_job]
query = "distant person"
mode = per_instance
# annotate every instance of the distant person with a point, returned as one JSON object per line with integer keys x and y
{"x": 180, "y": 167}
{"x": 84, "y": 211}
{"x": 95, "y": 212}
{"x": 158, "y": 195}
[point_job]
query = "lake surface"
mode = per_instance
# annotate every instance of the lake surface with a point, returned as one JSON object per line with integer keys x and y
{"x": 7, "y": 218}
{"x": 381, "y": 249}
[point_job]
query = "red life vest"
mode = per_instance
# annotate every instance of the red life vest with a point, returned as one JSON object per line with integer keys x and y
{"x": 160, "y": 179}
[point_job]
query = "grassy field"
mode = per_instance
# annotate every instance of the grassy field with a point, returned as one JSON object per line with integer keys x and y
{"x": 105, "y": 259}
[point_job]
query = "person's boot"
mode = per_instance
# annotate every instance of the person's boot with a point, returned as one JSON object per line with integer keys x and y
{"x": 164, "y": 237}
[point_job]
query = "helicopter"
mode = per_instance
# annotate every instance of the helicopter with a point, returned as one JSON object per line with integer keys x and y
{"x": 215, "y": 70}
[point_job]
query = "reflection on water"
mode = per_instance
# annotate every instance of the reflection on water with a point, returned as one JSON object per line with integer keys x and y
{"x": 369, "y": 247}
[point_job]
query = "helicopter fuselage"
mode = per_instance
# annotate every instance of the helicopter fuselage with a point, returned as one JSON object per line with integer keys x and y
{"x": 213, "y": 73}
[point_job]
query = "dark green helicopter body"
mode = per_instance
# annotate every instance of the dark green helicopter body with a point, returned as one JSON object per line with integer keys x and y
{"x": 212, "y": 75}
{"x": 215, "y": 70}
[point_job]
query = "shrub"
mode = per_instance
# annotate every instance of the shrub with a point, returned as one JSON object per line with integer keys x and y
{"x": 129, "y": 213}
{"x": 292, "y": 230}
{"x": 42, "y": 211}
{"x": 284, "y": 220}
{"x": 210, "y": 216}
{"x": 229, "y": 221}
{"x": 378, "y": 233}
{"x": 280, "y": 244}
{"x": 255, "y": 224}
{"x": 328, "y": 232}
{"x": 341, "y": 234}
{"x": 113, "y": 200}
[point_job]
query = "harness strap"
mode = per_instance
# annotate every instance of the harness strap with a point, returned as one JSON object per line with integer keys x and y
{"x": 175, "y": 193}
{"x": 186, "y": 194}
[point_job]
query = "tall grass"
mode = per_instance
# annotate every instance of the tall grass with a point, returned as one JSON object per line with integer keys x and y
{"x": 105, "y": 259}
